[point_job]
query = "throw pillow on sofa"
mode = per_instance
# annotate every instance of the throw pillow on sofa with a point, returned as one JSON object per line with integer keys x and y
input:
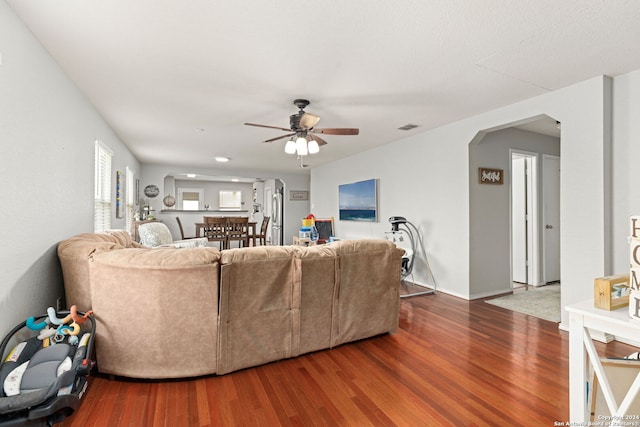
{"x": 154, "y": 234}
{"x": 157, "y": 235}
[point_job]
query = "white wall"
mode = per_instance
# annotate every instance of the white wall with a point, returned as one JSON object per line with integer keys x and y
{"x": 425, "y": 178}
{"x": 293, "y": 209}
{"x": 490, "y": 230}
{"x": 626, "y": 164}
{"x": 47, "y": 134}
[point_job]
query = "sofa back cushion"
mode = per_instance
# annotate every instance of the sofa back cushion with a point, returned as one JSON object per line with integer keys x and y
{"x": 259, "y": 306}
{"x": 156, "y": 311}
{"x": 368, "y": 289}
{"x": 74, "y": 254}
{"x": 318, "y": 297}
{"x": 123, "y": 238}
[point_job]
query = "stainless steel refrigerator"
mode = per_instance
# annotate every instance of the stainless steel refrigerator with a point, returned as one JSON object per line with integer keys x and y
{"x": 277, "y": 212}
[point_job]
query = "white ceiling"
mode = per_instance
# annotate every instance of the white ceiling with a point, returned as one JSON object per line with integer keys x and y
{"x": 177, "y": 79}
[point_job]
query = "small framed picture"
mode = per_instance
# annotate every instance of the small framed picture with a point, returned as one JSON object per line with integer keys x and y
{"x": 298, "y": 195}
{"x": 490, "y": 176}
{"x": 119, "y": 187}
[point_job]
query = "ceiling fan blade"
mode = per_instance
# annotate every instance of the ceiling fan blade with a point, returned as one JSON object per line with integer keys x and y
{"x": 316, "y": 138}
{"x": 308, "y": 120}
{"x": 279, "y": 137}
{"x": 338, "y": 131}
{"x": 267, "y": 126}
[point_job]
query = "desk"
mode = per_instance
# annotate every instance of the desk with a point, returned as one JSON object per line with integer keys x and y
{"x": 251, "y": 230}
{"x": 582, "y": 316}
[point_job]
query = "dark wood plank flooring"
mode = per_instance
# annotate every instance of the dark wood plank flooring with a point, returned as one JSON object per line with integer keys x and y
{"x": 452, "y": 362}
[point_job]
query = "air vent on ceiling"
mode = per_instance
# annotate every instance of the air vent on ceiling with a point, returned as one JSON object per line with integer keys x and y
{"x": 408, "y": 126}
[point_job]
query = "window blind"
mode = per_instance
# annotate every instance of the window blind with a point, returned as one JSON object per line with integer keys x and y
{"x": 230, "y": 199}
{"x": 188, "y": 195}
{"x": 102, "y": 186}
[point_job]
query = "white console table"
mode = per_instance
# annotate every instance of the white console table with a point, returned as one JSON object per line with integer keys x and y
{"x": 582, "y": 317}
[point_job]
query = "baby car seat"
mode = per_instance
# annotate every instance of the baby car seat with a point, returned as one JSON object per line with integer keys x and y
{"x": 44, "y": 377}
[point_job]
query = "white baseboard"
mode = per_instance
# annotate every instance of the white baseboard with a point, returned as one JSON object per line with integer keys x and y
{"x": 476, "y": 296}
{"x": 602, "y": 337}
{"x": 491, "y": 293}
{"x": 626, "y": 341}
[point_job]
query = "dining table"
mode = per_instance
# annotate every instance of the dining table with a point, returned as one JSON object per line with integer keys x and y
{"x": 251, "y": 231}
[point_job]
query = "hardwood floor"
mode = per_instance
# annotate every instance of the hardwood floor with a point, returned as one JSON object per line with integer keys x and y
{"x": 452, "y": 362}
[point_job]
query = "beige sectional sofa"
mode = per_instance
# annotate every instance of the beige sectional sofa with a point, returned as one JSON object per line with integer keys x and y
{"x": 173, "y": 313}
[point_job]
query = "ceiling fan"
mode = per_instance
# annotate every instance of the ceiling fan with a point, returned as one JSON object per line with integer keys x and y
{"x": 304, "y": 139}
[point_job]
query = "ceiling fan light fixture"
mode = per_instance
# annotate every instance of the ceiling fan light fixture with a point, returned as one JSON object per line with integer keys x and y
{"x": 290, "y": 147}
{"x": 302, "y": 134}
{"x": 301, "y": 146}
{"x": 313, "y": 146}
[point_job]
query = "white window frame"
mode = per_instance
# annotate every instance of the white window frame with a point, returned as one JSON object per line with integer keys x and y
{"x": 102, "y": 187}
{"x": 200, "y": 192}
{"x": 230, "y": 200}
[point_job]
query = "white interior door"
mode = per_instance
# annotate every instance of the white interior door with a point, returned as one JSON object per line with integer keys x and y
{"x": 525, "y": 241}
{"x": 518, "y": 219}
{"x": 551, "y": 218}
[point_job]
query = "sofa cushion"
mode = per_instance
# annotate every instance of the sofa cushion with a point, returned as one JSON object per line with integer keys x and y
{"x": 121, "y": 237}
{"x": 156, "y": 311}
{"x": 318, "y": 294}
{"x": 259, "y": 306}
{"x": 368, "y": 301}
{"x": 160, "y": 258}
{"x": 200, "y": 242}
{"x": 74, "y": 254}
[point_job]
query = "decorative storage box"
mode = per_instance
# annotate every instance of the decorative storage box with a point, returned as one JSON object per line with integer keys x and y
{"x": 634, "y": 262}
{"x": 302, "y": 241}
{"x": 611, "y": 292}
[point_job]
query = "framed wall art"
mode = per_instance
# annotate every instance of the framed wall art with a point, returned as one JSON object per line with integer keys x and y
{"x": 119, "y": 184}
{"x": 358, "y": 201}
{"x": 298, "y": 195}
{"x": 490, "y": 176}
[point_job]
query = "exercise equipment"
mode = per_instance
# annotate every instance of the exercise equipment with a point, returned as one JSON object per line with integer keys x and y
{"x": 400, "y": 227}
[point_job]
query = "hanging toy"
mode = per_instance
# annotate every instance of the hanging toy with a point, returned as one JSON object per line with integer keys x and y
{"x": 31, "y": 324}
{"x": 78, "y": 319}
{"x": 53, "y": 318}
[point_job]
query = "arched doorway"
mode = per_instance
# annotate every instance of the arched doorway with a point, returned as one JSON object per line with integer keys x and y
{"x": 490, "y": 220}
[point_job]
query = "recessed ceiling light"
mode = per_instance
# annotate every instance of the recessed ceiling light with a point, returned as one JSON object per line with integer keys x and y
{"x": 222, "y": 159}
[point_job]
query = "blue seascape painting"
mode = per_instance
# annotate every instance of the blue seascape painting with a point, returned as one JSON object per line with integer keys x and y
{"x": 358, "y": 201}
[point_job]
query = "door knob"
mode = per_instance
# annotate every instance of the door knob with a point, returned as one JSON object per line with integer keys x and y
{"x": 548, "y": 226}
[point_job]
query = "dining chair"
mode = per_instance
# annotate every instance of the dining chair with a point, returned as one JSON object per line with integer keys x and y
{"x": 215, "y": 230}
{"x": 237, "y": 229}
{"x": 262, "y": 235}
{"x": 182, "y": 236}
